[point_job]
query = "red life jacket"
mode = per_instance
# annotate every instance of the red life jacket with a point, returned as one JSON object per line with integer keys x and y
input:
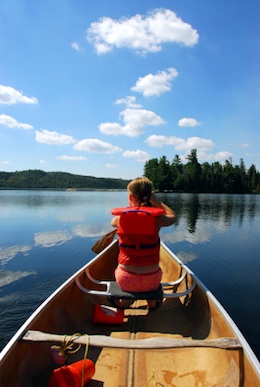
{"x": 138, "y": 235}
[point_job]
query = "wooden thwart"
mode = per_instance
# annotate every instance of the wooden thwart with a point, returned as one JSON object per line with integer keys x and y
{"x": 150, "y": 343}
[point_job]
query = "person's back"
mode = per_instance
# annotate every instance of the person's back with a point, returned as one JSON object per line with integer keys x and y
{"x": 138, "y": 235}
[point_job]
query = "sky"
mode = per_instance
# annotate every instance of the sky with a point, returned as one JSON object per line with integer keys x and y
{"x": 97, "y": 88}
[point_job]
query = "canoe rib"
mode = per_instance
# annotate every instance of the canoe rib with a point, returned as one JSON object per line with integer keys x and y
{"x": 150, "y": 343}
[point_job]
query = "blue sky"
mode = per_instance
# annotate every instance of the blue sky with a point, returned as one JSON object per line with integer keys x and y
{"x": 99, "y": 87}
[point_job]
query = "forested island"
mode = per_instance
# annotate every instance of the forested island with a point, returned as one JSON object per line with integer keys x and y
{"x": 169, "y": 176}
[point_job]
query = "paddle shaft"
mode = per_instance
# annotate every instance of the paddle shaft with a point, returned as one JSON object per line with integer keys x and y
{"x": 150, "y": 343}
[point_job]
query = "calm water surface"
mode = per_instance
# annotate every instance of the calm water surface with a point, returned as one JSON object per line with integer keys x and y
{"x": 45, "y": 236}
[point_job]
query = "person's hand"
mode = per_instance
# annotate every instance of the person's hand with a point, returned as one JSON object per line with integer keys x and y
{"x": 153, "y": 200}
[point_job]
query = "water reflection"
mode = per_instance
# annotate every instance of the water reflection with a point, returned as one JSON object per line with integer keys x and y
{"x": 8, "y": 253}
{"x": 220, "y": 209}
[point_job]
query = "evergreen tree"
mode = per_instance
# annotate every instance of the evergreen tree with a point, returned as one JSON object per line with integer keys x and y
{"x": 192, "y": 172}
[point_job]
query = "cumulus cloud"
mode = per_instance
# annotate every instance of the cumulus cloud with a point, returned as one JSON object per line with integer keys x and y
{"x": 141, "y": 34}
{"x": 135, "y": 121}
{"x": 8, "y": 277}
{"x": 137, "y": 155}
{"x": 51, "y": 239}
{"x": 202, "y": 145}
{"x": 180, "y": 143}
{"x": 53, "y": 138}
{"x": 93, "y": 145}
{"x": 195, "y": 143}
{"x": 10, "y": 96}
{"x": 71, "y": 158}
{"x": 222, "y": 156}
{"x": 11, "y": 122}
{"x": 8, "y": 253}
{"x": 129, "y": 101}
{"x": 188, "y": 122}
{"x": 155, "y": 84}
{"x": 158, "y": 141}
{"x": 86, "y": 231}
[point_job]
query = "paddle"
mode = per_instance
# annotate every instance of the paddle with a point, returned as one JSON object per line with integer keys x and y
{"x": 103, "y": 242}
{"x": 149, "y": 343}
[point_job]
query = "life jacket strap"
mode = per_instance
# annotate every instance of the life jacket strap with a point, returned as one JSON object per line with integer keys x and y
{"x": 139, "y": 246}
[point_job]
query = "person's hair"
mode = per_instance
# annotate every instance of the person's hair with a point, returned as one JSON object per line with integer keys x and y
{"x": 141, "y": 188}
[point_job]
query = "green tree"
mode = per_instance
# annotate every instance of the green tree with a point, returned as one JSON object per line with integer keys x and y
{"x": 177, "y": 173}
{"x": 192, "y": 172}
{"x": 151, "y": 170}
{"x": 164, "y": 174}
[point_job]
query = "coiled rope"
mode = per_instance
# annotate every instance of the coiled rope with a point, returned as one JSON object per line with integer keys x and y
{"x": 67, "y": 347}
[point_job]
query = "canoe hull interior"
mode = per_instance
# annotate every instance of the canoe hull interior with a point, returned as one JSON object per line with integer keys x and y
{"x": 195, "y": 316}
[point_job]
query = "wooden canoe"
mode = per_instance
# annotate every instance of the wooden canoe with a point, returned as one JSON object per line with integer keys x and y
{"x": 190, "y": 340}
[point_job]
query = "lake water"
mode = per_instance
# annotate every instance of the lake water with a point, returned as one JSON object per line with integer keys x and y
{"x": 45, "y": 236}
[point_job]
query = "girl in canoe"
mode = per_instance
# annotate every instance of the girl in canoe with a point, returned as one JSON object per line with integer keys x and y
{"x": 138, "y": 229}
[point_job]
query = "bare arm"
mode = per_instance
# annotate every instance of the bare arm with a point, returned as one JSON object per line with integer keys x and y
{"x": 115, "y": 220}
{"x": 169, "y": 217}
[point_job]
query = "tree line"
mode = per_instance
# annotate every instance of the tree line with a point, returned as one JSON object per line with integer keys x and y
{"x": 206, "y": 178}
{"x": 166, "y": 176}
{"x": 37, "y": 179}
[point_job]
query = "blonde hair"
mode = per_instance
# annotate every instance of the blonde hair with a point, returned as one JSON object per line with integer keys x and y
{"x": 141, "y": 188}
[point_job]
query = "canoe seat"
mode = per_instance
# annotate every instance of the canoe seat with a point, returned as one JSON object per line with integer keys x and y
{"x": 114, "y": 293}
{"x": 118, "y": 294}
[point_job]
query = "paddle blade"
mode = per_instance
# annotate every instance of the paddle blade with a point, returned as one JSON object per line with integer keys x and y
{"x": 103, "y": 242}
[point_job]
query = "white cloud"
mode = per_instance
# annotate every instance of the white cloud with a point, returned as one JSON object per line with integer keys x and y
{"x": 85, "y": 231}
{"x": 9, "y": 277}
{"x": 134, "y": 122}
{"x": 76, "y": 46}
{"x": 11, "y": 122}
{"x": 8, "y": 253}
{"x": 202, "y": 145}
{"x": 141, "y": 34}
{"x": 195, "y": 143}
{"x": 129, "y": 101}
{"x": 53, "y": 138}
{"x": 10, "y": 96}
{"x": 188, "y": 122}
{"x": 51, "y": 239}
{"x": 71, "y": 158}
{"x": 137, "y": 155}
{"x": 222, "y": 156}
{"x": 180, "y": 144}
{"x": 158, "y": 141}
{"x": 155, "y": 84}
{"x": 111, "y": 128}
{"x": 96, "y": 146}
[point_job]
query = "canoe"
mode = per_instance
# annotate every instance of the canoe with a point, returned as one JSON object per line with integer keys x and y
{"x": 189, "y": 340}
